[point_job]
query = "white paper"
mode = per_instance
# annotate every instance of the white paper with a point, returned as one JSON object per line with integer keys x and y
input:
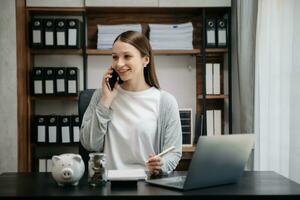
{"x": 72, "y": 86}
{"x": 60, "y": 38}
{"x": 36, "y": 36}
{"x": 216, "y": 79}
{"x": 75, "y": 134}
{"x": 60, "y": 84}
{"x": 126, "y": 174}
{"x": 49, "y": 86}
{"x": 208, "y": 78}
{"x": 38, "y": 89}
{"x": 52, "y": 134}
{"x": 211, "y": 37}
{"x": 49, "y": 38}
{"x": 217, "y": 122}
{"x": 65, "y": 134}
{"x": 41, "y": 134}
{"x": 72, "y": 37}
{"x": 222, "y": 37}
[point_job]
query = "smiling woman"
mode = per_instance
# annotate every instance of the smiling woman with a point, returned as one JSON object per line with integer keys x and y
{"x": 135, "y": 120}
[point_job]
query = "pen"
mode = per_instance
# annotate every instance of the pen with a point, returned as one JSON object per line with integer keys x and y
{"x": 164, "y": 152}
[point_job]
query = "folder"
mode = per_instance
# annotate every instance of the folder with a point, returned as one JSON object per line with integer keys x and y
{"x": 198, "y": 126}
{"x": 52, "y": 124}
{"x": 209, "y": 122}
{"x": 217, "y": 122}
{"x": 209, "y": 78}
{"x": 75, "y": 128}
{"x": 60, "y": 79}
{"x": 72, "y": 81}
{"x": 216, "y": 78}
{"x": 64, "y": 124}
{"x": 73, "y": 26}
{"x": 61, "y": 33}
{"x": 38, "y": 83}
{"x": 37, "y": 38}
{"x": 39, "y": 127}
{"x": 42, "y": 165}
{"x": 211, "y": 32}
{"x": 49, "y": 165}
{"x": 222, "y": 32}
{"x": 49, "y": 81}
{"x": 49, "y": 33}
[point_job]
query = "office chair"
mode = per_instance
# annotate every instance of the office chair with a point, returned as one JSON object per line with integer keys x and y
{"x": 84, "y": 100}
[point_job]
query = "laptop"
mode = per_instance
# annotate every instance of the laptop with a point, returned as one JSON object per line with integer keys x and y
{"x": 217, "y": 160}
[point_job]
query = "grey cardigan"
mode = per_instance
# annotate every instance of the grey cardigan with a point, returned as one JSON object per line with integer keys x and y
{"x": 95, "y": 125}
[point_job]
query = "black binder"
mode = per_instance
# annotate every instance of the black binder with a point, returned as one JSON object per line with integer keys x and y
{"x": 73, "y": 33}
{"x": 211, "y": 32}
{"x": 52, "y": 128}
{"x": 60, "y": 33}
{"x": 75, "y": 128}
{"x": 72, "y": 81}
{"x": 50, "y": 83}
{"x": 60, "y": 79}
{"x": 39, "y": 129}
{"x": 36, "y": 33}
{"x": 49, "y": 36}
{"x": 38, "y": 83}
{"x": 222, "y": 32}
{"x": 65, "y": 126}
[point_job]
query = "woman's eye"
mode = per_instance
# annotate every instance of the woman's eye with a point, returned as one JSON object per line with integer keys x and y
{"x": 127, "y": 56}
{"x": 114, "y": 57}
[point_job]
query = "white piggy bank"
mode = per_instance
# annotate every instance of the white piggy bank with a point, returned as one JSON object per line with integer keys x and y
{"x": 67, "y": 169}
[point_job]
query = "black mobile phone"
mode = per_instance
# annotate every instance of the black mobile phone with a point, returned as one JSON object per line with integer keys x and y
{"x": 112, "y": 81}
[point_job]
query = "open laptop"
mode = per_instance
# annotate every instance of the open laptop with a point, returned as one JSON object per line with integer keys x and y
{"x": 217, "y": 160}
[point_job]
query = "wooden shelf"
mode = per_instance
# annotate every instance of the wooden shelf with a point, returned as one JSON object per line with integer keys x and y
{"x": 46, "y": 145}
{"x": 72, "y": 98}
{"x": 57, "y": 51}
{"x": 155, "y": 52}
{"x": 222, "y": 96}
{"x": 188, "y": 148}
{"x": 216, "y": 50}
{"x": 56, "y": 9}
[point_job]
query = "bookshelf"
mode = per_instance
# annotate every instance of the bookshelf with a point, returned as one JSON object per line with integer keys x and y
{"x": 90, "y": 17}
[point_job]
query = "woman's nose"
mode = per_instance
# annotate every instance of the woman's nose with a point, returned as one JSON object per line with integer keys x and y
{"x": 120, "y": 63}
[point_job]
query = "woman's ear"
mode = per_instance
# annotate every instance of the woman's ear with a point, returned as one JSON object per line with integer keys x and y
{"x": 146, "y": 60}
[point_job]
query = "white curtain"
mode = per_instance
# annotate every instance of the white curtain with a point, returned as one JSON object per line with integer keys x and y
{"x": 276, "y": 75}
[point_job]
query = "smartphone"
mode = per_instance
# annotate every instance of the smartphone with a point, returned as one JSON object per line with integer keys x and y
{"x": 112, "y": 81}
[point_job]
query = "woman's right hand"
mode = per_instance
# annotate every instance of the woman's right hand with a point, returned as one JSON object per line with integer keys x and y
{"x": 108, "y": 95}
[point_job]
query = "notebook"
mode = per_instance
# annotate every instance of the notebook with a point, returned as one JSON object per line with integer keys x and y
{"x": 217, "y": 160}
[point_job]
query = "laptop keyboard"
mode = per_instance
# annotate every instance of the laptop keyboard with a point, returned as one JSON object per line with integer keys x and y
{"x": 175, "y": 181}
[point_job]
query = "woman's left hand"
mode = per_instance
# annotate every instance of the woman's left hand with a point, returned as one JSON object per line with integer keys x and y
{"x": 154, "y": 165}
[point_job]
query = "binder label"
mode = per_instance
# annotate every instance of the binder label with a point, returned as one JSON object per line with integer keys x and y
{"x": 61, "y": 38}
{"x": 49, "y": 38}
{"x": 65, "y": 133}
{"x": 75, "y": 134}
{"x": 72, "y": 37}
{"x": 72, "y": 86}
{"x": 36, "y": 37}
{"x": 60, "y": 85}
{"x": 38, "y": 87}
{"x": 41, "y": 137}
{"x": 52, "y": 134}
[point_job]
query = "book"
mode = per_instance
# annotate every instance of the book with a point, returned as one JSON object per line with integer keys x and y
{"x": 126, "y": 175}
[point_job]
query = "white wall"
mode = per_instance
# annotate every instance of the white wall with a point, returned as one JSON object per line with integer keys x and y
{"x": 295, "y": 106}
{"x": 8, "y": 88}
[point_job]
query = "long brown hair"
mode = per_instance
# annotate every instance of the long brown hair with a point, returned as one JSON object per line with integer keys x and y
{"x": 141, "y": 43}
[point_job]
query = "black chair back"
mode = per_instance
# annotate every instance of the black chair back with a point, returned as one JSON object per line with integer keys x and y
{"x": 84, "y": 100}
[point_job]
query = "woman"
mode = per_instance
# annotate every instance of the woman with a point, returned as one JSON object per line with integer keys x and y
{"x": 136, "y": 120}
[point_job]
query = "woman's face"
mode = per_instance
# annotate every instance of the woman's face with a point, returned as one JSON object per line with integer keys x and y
{"x": 127, "y": 61}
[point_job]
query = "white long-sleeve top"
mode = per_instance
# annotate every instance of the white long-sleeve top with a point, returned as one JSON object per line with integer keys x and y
{"x": 133, "y": 128}
{"x": 96, "y": 124}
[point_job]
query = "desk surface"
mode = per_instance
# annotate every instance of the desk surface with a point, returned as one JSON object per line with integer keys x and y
{"x": 252, "y": 185}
